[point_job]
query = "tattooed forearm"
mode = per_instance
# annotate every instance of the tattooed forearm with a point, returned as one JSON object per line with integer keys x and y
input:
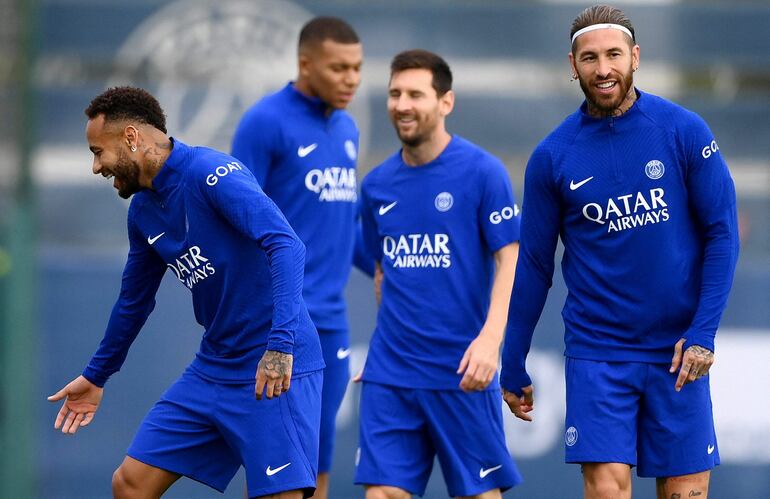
{"x": 276, "y": 365}
{"x": 676, "y": 495}
{"x": 694, "y": 493}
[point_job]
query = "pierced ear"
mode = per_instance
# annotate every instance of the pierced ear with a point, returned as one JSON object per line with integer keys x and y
{"x": 132, "y": 135}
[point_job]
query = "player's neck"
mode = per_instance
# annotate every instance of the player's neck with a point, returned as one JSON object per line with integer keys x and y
{"x": 426, "y": 151}
{"x": 156, "y": 153}
{"x": 302, "y": 86}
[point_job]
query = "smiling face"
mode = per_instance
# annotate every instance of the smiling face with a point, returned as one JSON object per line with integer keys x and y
{"x": 415, "y": 109}
{"x": 331, "y": 71}
{"x": 604, "y": 61}
{"x": 111, "y": 156}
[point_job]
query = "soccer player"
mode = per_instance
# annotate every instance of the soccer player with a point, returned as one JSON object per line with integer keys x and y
{"x": 440, "y": 219}
{"x": 637, "y": 189}
{"x": 302, "y": 147}
{"x": 201, "y": 214}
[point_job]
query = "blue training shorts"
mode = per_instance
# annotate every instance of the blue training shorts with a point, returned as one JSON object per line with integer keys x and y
{"x": 403, "y": 429}
{"x": 628, "y": 412}
{"x": 336, "y": 352}
{"x": 206, "y": 431}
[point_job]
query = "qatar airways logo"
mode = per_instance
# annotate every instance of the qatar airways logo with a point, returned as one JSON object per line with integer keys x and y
{"x": 333, "y": 184}
{"x": 629, "y": 211}
{"x": 418, "y": 250}
{"x": 192, "y": 267}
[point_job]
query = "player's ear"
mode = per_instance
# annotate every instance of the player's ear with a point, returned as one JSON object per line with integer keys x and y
{"x": 131, "y": 136}
{"x": 446, "y": 103}
{"x": 635, "y": 57}
{"x": 573, "y": 68}
{"x": 304, "y": 61}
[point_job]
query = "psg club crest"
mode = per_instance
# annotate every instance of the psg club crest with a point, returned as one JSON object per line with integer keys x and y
{"x": 444, "y": 201}
{"x": 654, "y": 169}
{"x": 571, "y": 436}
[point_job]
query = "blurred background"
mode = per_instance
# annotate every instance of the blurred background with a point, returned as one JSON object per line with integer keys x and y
{"x": 62, "y": 230}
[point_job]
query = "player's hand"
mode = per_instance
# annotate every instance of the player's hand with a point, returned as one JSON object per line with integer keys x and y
{"x": 695, "y": 362}
{"x": 81, "y": 400}
{"x": 521, "y": 406}
{"x": 358, "y": 376}
{"x": 479, "y": 363}
{"x": 273, "y": 374}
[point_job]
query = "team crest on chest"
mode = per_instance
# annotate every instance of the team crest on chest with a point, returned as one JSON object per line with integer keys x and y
{"x": 654, "y": 169}
{"x": 444, "y": 201}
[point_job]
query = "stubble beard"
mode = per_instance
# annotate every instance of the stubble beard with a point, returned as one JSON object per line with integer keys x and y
{"x": 603, "y": 108}
{"x": 127, "y": 172}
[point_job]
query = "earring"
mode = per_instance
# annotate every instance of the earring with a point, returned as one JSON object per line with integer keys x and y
{"x": 573, "y": 77}
{"x": 133, "y": 148}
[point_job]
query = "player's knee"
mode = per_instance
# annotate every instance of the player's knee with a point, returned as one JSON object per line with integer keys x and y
{"x": 123, "y": 485}
{"x": 385, "y": 492}
{"x": 606, "y": 482}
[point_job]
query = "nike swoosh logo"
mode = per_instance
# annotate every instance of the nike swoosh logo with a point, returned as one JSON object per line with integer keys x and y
{"x": 573, "y": 185}
{"x": 271, "y": 472}
{"x": 304, "y": 151}
{"x": 484, "y": 472}
{"x": 384, "y": 209}
{"x": 343, "y": 353}
{"x": 152, "y": 240}
{"x": 710, "y": 449}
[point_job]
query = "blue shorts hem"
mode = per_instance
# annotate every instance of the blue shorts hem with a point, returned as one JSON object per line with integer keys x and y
{"x": 391, "y": 483}
{"x": 156, "y": 464}
{"x": 598, "y": 459}
{"x": 650, "y": 472}
{"x": 504, "y": 486}
{"x": 307, "y": 489}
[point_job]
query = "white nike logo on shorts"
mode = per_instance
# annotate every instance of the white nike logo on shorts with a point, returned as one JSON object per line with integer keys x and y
{"x": 484, "y": 472}
{"x": 710, "y": 449}
{"x": 343, "y": 353}
{"x": 271, "y": 472}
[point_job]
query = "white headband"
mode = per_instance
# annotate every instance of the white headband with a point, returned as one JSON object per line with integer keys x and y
{"x": 601, "y": 26}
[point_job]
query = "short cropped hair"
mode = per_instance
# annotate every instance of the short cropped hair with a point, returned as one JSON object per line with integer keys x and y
{"x": 601, "y": 14}
{"x": 327, "y": 28}
{"x": 128, "y": 103}
{"x": 423, "y": 59}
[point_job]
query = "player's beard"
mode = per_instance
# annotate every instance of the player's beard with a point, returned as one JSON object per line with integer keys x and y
{"x": 419, "y": 135}
{"x": 126, "y": 172}
{"x": 607, "y": 107}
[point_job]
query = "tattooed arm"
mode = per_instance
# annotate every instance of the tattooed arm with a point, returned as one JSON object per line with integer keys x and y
{"x": 695, "y": 362}
{"x": 273, "y": 374}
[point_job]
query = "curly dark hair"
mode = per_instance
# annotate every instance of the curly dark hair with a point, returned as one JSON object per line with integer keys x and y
{"x": 128, "y": 103}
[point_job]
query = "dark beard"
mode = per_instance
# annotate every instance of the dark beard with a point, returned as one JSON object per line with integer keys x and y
{"x": 609, "y": 109}
{"x": 127, "y": 172}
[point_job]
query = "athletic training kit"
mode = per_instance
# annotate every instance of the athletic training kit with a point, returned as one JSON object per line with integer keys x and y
{"x": 305, "y": 161}
{"x": 645, "y": 207}
{"x": 434, "y": 229}
{"x": 208, "y": 221}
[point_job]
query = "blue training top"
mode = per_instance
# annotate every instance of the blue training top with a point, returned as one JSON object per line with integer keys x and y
{"x": 305, "y": 161}
{"x": 434, "y": 228}
{"x": 645, "y": 207}
{"x": 207, "y": 220}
